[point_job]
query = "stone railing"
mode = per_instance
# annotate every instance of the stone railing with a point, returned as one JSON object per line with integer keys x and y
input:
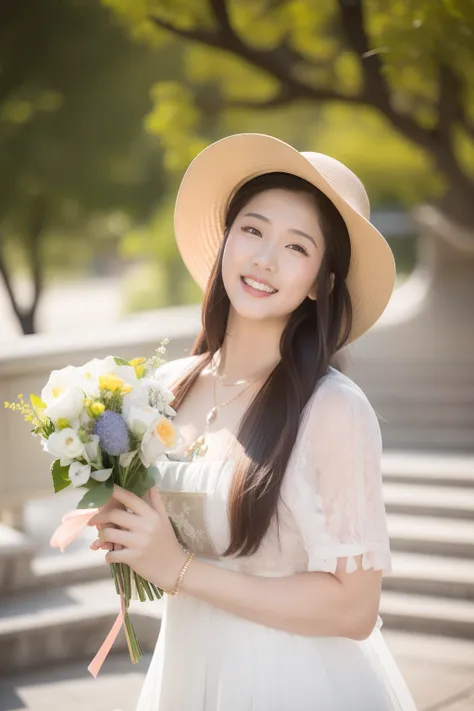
{"x": 25, "y": 366}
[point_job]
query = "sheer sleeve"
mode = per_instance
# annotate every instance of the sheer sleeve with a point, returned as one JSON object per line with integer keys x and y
{"x": 336, "y": 484}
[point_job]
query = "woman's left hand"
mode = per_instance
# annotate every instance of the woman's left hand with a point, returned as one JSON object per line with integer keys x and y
{"x": 150, "y": 546}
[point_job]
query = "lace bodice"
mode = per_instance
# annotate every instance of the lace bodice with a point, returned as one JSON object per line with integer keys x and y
{"x": 331, "y": 504}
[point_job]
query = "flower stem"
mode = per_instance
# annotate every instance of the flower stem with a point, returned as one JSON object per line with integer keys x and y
{"x": 158, "y": 591}
{"x": 134, "y": 647}
{"x": 139, "y": 586}
{"x": 113, "y": 570}
{"x": 147, "y": 588}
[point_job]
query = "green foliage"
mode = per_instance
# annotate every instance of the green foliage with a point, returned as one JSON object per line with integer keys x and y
{"x": 415, "y": 42}
{"x": 97, "y": 495}
{"x": 72, "y": 102}
{"x": 60, "y": 476}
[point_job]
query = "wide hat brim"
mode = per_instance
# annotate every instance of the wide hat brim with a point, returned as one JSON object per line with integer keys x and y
{"x": 216, "y": 174}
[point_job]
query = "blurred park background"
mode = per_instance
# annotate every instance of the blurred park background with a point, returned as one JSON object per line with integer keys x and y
{"x": 102, "y": 107}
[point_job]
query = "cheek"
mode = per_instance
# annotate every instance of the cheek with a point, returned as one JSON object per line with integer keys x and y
{"x": 235, "y": 255}
{"x": 300, "y": 275}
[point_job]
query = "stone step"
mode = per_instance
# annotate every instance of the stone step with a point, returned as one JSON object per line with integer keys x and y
{"x": 72, "y": 622}
{"x": 421, "y": 500}
{"x": 431, "y": 575}
{"x": 427, "y": 413}
{"x": 17, "y": 551}
{"x": 67, "y": 623}
{"x": 431, "y": 535}
{"x": 455, "y": 437}
{"x": 428, "y": 468}
{"x": 79, "y": 567}
{"x": 427, "y": 614}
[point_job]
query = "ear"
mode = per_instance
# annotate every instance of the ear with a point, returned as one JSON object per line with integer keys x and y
{"x": 312, "y": 294}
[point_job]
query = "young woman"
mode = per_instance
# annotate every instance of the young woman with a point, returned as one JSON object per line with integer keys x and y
{"x": 268, "y": 529}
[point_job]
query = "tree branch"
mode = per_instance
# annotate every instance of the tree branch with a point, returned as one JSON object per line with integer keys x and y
{"x": 196, "y": 35}
{"x": 221, "y": 13}
{"x": 38, "y": 221}
{"x": 9, "y": 287}
{"x": 26, "y": 316}
{"x": 277, "y": 62}
{"x": 288, "y": 95}
{"x": 280, "y": 63}
{"x": 353, "y": 26}
{"x": 448, "y": 105}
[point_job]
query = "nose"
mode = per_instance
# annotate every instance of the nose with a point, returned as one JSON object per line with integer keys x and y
{"x": 266, "y": 258}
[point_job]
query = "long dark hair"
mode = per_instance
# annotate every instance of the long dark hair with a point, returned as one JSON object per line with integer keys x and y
{"x": 314, "y": 333}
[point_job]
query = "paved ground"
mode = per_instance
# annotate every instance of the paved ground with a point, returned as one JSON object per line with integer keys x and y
{"x": 439, "y": 672}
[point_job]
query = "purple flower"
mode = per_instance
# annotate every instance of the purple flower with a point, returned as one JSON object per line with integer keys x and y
{"x": 113, "y": 433}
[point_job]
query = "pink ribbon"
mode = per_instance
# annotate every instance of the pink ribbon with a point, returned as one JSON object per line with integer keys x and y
{"x": 73, "y": 522}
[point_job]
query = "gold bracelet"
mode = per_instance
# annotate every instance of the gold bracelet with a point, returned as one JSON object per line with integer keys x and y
{"x": 181, "y": 575}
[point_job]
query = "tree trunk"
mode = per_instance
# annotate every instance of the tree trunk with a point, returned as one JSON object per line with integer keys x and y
{"x": 417, "y": 364}
{"x": 27, "y": 321}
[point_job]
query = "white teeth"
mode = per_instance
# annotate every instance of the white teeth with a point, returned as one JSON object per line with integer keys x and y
{"x": 259, "y": 286}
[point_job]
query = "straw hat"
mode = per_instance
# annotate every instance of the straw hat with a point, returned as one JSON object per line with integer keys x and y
{"x": 216, "y": 174}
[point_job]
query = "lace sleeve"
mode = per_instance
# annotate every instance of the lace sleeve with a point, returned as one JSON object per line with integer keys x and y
{"x": 336, "y": 486}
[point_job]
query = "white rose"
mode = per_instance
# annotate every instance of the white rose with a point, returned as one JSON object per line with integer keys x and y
{"x": 138, "y": 398}
{"x": 62, "y": 394}
{"x": 64, "y": 444}
{"x": 92, "y": 449}
{"x": 68, "y": 403}
{"x": 151, "y": 447}
{"x": 79, "y": 474}
{"x": 140, "y": 419}
{"x": 151, "y": 391}
{"x": 103, "y": 366}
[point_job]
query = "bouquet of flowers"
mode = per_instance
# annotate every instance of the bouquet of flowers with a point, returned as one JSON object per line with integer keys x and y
{"x": 105, "y": 423}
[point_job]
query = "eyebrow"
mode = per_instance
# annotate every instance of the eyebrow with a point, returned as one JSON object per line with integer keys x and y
{"x": 295, "y": 231}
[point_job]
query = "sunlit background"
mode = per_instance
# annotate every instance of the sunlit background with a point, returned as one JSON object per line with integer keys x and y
{"x": 102, "y": 107}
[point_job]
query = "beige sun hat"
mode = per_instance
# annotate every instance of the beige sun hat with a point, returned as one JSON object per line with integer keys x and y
{"x": 216, "y": 174}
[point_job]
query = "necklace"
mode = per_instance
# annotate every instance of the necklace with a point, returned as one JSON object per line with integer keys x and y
{"x": 199, "y": 446}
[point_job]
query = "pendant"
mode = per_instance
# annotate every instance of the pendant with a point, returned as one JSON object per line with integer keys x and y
{"x": 211, "y": 416}
{"x": 196, "y": 448}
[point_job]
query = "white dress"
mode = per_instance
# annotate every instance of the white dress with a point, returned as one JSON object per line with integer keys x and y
{"x": 331, "y": 507}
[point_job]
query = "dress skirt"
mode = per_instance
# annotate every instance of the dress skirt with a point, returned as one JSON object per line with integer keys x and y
{"x": 209, "y": 660}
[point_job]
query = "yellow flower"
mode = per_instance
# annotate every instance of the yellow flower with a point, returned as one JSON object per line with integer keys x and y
{"x": 111, "y": 382}
{"x": 137, "y": 361}
{"x": 127, "y": 388}
{"x": 166, "y": 432}
{"x": 62, "y": 423}
{"x": 97, "y": 408}
{"x": 139, "y": 365}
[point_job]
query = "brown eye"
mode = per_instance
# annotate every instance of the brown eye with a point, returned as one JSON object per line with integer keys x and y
{"x": 299, "y": 248}
{"x": 252, "y": 230}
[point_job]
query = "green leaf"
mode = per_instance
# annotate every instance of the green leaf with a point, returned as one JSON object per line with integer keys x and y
{"x": 97, "y": 495}
{"x": 141, "y": 486}
{"x": 121, "y": 361}
{"x": 60, "y": 476}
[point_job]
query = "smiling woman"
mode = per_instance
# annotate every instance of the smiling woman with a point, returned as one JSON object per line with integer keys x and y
{"x": 279, "y": 493}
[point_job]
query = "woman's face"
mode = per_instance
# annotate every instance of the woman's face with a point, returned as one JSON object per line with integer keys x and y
{"x": 276, "y": 240}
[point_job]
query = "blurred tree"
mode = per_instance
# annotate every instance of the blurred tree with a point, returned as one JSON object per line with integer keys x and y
{"x": 75, "y": 160}
{"x": 406, "y": 65}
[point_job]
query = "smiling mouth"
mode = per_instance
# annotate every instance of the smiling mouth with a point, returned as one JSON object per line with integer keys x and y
{"x": 258, "y": 286}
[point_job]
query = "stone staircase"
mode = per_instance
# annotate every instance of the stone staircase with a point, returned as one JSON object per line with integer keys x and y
{"x": 430, "y": 505}
{"x": 423, "y": 406}
{"x": 58, "y": 607}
